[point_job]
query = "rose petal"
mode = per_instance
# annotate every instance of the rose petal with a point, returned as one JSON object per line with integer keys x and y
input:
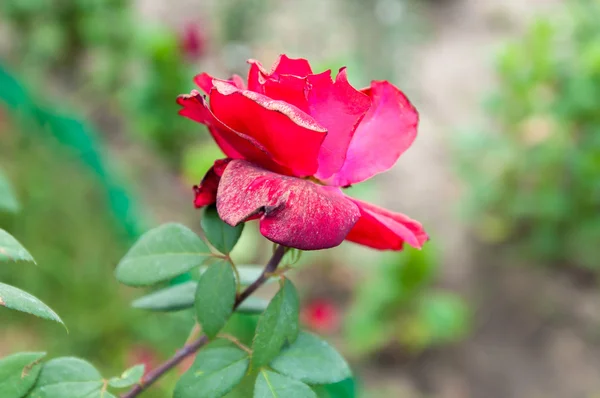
{"x": 205, "y": 81}
{"x": 387, "y": 130}
{"x": 291, "y": 66}
{"x": 291, "y": 89}
{"x": 283, "y": 66}
{"x": 234, "y": 144}
{"x": 338, "y": 107}
{"x": 206, "y": 191}
{"x": 381, "y": 229}
{"x": 293, "y": 212}
{"x": 290, "y": 136}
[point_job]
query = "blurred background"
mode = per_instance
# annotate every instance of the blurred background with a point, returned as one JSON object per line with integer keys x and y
{"x": 505, "y": 176}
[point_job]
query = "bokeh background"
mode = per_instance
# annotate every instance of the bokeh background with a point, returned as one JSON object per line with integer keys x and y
{"x": 505, "y": 175}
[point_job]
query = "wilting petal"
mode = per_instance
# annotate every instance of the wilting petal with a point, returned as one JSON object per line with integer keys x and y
{"x": 386, "y": 131}
{"x": 234, "y": 144}
{"x": 205, "y": 81}
{"x": 381, "y": 229}
{"x": 293, "y": 212}
{"x": 290, "y": 136}
{"x": 338, "y": 107}
{"x": 206, "y": 192}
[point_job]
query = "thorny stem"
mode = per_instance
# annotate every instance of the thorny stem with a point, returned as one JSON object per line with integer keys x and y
{"x": 194, "y": 346}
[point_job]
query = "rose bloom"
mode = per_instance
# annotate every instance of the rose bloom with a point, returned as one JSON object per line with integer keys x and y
{"x": 293, "y": 139}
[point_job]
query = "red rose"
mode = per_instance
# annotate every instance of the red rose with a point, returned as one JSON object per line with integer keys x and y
{"x": 292, "y": 139}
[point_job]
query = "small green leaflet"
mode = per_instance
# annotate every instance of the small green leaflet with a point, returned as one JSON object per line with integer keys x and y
{"x": 78, "y": 389}
{"x": 253, "y": 305}
{"x": 343, "y": 389}
{"x": 8, "y": 199}
{"x": 11, "y": 249}
{"x": 130, "y": 377}
{"x": 215, "y": 297}
{"x": 162, "y": 254}
{"x": 172, "y": 298}
{"x": 215, "y": 372}
{"x": 18, "y": 373}
{"x": 277, "y": 326}
{"x": 60, "y": 374}
{"x": 311, "y": 360}
{"x": 182, "y": 296}
{"x": 220, "y": 234}
{"x": 274, "y": 385}
{"x": 17, "y": 299}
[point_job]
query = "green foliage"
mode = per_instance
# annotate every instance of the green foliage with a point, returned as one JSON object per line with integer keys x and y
{"x": 17, "y": 299}
{"x": 172, "y": 298}
{"x": 8, "y": 198}
{"x": 66, "y": 221}
{"x": 11, "y": 249}
{"x": 344, "y": 389}
{"x": 23, "y": 375}
{"x": 253, "y": 305}
{"x": 63, "y": 370}
{"x": 18, "y": 373}
{"x": 221, "y": 235}
{"x": 273, "y": 385}
{"x": 311, "y": 360}
{"x": 533, "y": 175}
{"x": 215, "y": 297}
{"x": 181, "y": 296}
{"x": 277, "y": 326}
{"x": 398, "y": 304}
{"x": 130, "y": 377}
{"x": 215, "y": 372}
{"x": 162, "y": 254}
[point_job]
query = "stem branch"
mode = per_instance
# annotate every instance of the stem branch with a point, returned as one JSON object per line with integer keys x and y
{"x": 194, "y": 346}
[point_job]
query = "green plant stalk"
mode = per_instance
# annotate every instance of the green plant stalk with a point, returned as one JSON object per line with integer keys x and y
{"x": 195, "y": 345}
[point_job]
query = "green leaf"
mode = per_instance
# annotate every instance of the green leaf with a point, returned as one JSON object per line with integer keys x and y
{"x": 172, "y": 298}
{"x": 343, "y": 389}
{"x": 182, "y": 296}
{"x": 277, "y": 326}
{"x": 130, "y": 377}
{"x": 253, "y": 305}
{"x": 18, "y": 373}
{"x": 77, "y": 389}
{"x": 312, "y": 360}
{"x": 220, "y": 234}
{"x": 161, "y": 254}
{"x": 17, "y": 299}
{"x": 65, "y": 370}
{"x": 8, "y": 199}
{"x": 215, "y": 297}
{"x": 11, "y": 249}
{"x": 215, "y": 372}
{"x": 273, "y": 385}
{"x": 250, "y": 273}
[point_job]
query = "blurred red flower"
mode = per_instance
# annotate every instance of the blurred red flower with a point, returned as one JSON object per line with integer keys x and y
{"x": 193, "y": 41}
{"x": 294, "y": 138}
{"x": 321, "y": 316}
